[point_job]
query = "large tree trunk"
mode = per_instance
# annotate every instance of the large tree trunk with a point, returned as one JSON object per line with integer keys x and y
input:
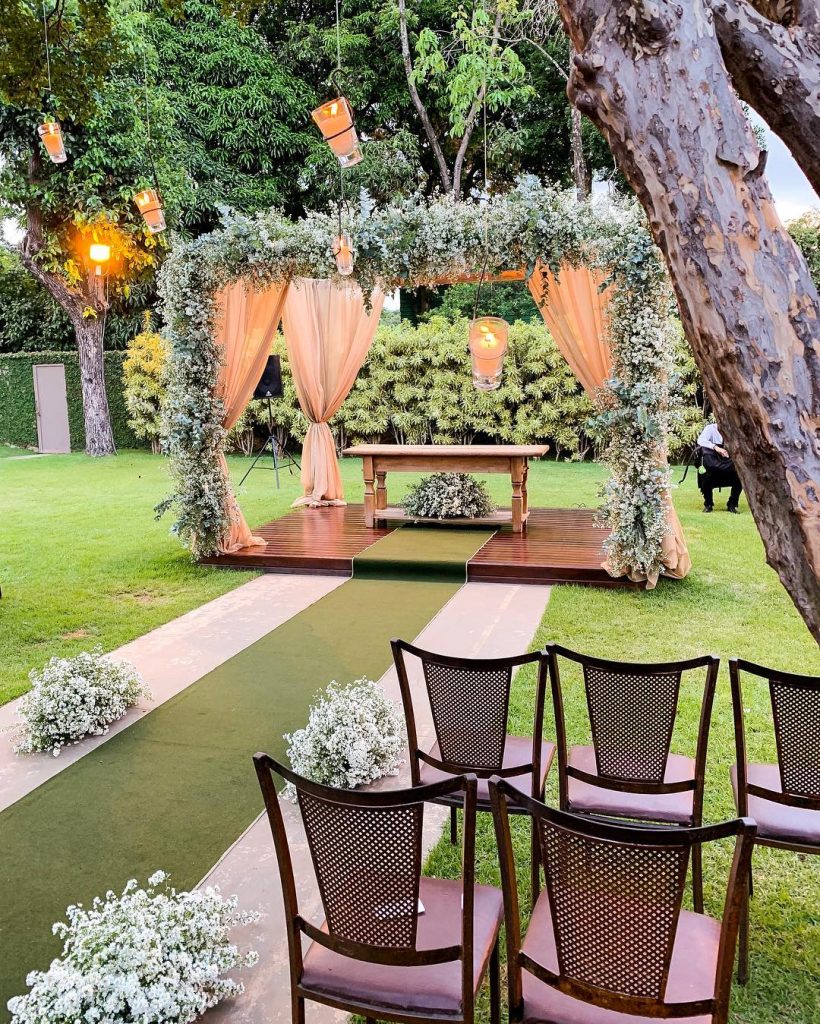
{"x": 99, "y": 437}
{"x": 651, "y": 75}
{"x": 775, "y": 67}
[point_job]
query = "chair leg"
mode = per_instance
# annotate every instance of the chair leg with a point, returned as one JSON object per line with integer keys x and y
{"x": 743, "y": 935}
{"x": 535, "y": 863}
{"x": 453, "y": 826}
{"x": 697, "y": 878}
{"x": 495, "y": 986}
{"x": 297, "y": 1011}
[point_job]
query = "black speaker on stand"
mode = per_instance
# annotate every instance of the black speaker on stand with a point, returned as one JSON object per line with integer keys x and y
{"x": 270, "y": 386}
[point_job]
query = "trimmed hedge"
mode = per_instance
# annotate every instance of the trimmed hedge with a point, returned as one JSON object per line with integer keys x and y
{"x": 18, "y": 419}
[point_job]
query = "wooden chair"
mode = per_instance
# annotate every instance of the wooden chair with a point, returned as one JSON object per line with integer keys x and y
{"x": 783, "y": 798}
{"x": 609, "y": 941}
{"x": 393, "y": 946}
{"x": 469, "y": 700}
{"x": 629, "y": 771}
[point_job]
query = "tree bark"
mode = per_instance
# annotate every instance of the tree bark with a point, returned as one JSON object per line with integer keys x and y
{"x": 421, "y": 110}
{"x": 580, "y": 167}
{"x": 89, "y": 331}
{"x": 775, "y": 68}
{"x": 99, "y": 437}
{"x": 651, "y": 75}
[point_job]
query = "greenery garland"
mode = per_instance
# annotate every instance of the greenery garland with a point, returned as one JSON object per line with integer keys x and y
{"x": 416, "y": 242}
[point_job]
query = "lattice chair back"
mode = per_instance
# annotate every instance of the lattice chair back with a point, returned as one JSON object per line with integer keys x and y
{"x": 796, "y": 713}
{"x": 615, "y": 895}
{"x": 469, "y": 701}
{"x": 615, "y": 909}
{"x": 366, "y": 853}
{"x": 795, "y": 703}
{"x": 368, "y": 866}
{"x": 632, "y": 717}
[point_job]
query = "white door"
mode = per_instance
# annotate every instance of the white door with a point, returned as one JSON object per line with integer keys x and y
{"x": 51, "y": 402}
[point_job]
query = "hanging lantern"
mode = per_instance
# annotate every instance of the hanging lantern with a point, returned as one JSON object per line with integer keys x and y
{"x": 51, "y": 135}
{"x": 488, "y": 346}
{"x": 149, "y": 205}
{"x": 335, "y": 121}
{"x": 99, "y": 253}
{"x": 343, "y": 251}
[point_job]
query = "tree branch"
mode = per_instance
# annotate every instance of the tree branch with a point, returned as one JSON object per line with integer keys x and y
{"x": 421, "y": 110}
{"x": 776, "y": 70}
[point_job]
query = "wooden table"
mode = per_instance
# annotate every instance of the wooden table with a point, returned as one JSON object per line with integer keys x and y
{"x": 380, "y": 459}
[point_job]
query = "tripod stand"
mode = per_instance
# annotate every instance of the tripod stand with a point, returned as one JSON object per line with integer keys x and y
{"x": 280, "y": 455}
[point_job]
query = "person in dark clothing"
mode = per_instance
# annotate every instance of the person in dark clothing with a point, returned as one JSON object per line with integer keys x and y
{"x": 719, "y": 470}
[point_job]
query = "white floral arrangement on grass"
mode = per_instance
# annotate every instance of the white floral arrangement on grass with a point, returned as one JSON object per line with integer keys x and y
{"x": 354, "y": 735}
{"x": 153, "y": 956}
{"x": 449, "y": 496}
{"x": 75, "y": 697}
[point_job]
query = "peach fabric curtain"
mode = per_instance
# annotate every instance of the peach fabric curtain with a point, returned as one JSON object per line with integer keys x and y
{"x": 328, "y": 333}
{"x": 574, "y": 310}
{"x": 246, "y": 325}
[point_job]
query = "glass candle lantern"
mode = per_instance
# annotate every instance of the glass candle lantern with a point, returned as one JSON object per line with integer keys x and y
{"x": 343, "y": 251}
{"x": 99, "y": 253}
{"x": 488, "y": 346}
{"x": 149, "y": 205}
{"x": 51, "y": 135}
{"x": 335, "y": 121}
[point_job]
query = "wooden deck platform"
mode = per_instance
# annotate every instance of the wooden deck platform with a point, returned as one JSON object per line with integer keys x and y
{"x": 560, "y": 545}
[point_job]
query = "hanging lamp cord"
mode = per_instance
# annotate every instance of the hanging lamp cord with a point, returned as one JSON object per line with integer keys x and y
{"x": 149, "y": 139}
{"x": 48, "y": 53}
{"x": 486, "y": 191}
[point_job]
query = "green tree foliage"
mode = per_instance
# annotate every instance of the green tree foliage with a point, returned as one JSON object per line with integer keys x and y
{"x": 510, "y": 300}
{"x": 242, "y": 115}
{"x": 805, "y": 230}
{"x": 143, "y": 375}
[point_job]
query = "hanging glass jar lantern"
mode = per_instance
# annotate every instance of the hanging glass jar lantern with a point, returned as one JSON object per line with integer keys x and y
{"x": 343, "y": 251}
{"x": 488, "y": 346}
{"x": 335, "y": 121}
{"x": 149, "y": 205}
{"x": 51, "y": 135}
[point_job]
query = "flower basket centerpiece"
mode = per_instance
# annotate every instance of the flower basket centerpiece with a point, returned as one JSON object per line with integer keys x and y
{"x": 448, "y": 496}
{"x": 75, "y": 697}
{"x": 354, "y": 735}
{"x": 152, "y": 955}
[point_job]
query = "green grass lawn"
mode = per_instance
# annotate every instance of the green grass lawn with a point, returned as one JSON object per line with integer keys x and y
{"x": 82, "y": 561}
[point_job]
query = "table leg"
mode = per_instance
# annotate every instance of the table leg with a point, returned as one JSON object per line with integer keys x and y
{"x": 369, "y": 493}
{"x": 381, "y": 490}
{"x": 524, "y": 492}
{"x": 517, "y": 475}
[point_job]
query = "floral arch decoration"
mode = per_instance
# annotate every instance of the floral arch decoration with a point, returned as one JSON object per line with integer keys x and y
{"x": 417, "y": 242}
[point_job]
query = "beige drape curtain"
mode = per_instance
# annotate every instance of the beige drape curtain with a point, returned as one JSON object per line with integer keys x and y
{"x": 246, "y": 323}
{"x": 328, "y": 333}
{"x": 574, "y": 310}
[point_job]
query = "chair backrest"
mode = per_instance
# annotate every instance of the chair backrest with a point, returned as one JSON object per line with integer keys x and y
{"x": 366, "y": 854}
{"x": 795, "y": 704}
{"x": 615, "y": 894}
{"x": 469, "y": 700}
{"x": 632, "y": 709}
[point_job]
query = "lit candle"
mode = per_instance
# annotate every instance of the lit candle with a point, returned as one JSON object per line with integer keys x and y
{"x": 150, "y": 206}
{"x": 343, "y": 251}
{"x": 335, "y": 121}
{"x": 488, "y": 346}
{"x": 52, "y": 137}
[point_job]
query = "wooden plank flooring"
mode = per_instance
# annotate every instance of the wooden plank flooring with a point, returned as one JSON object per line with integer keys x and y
{"x": 560, "y": 545}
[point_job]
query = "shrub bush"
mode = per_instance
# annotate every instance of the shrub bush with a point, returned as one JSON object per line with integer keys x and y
{"x": 143, "y": 375}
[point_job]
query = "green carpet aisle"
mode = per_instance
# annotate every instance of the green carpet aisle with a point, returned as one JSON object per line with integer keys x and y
{"x": 174, "y": 790}
{"x": 422, "y": 552}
